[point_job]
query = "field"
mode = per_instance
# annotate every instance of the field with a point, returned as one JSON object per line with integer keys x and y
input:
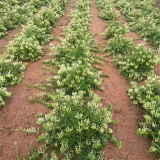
{"x": 79, "y": 80}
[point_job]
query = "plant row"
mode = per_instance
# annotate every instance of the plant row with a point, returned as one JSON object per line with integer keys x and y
{"x": 144, "y": 18}
{"x": 16, "y": 13}
{"x": 77, "y": 125}
{"x": 137, "y": 63}
{"x": 106, "y": 10}
{"x": 27, "y": 46}
{"x": 148, "y": 97}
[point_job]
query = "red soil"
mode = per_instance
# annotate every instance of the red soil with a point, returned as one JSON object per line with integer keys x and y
{"x": 115, "y": 87}
{"x": 18, "y": 111}
{"x": 5, "y": 40}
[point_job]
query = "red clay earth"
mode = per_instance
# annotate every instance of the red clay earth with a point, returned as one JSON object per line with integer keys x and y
{"x": 18, "y": 111}
{"x": 158, "y": 2}
{"x": 115, "y": 87}
{"x": 5, "y": 40}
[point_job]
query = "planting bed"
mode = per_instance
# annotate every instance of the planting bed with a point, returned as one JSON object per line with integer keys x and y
{"x": 80, "y": 81}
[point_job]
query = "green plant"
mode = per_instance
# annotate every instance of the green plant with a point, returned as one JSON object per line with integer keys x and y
{"x": 120, "y": 45}
{"x": 3, "y": 30}
{"x": 148, "y": 97}
{"x": 25, "y": 49}
{"x": 39, "y": 34}
{"x": 52, "y": 14}
{"x": 138, "y": 64}
{"x": 115, "y": 29}
{"x": 12, "y": 72}
{"x": 17, "y": 16}
{"x": 76, "y": 127}
{"x": 39, "y": 3}
{"x": 106, "y": 10}
{"x": 3, "y": 95}
{"x": 76, "y": 77}
{"x": 144, "y": 20}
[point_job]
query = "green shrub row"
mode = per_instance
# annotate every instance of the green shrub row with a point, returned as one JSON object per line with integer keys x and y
{"x": 148, "y": 97}
{"x": 115, "y": 29}
{"x": 144, "y": 19}
{"x": 77, "y": 125}
{"x": 11, "y": 73}
{"x": 137, "y": 62}
{"x": 134, "y": 62}
{"x": 106, "y": 10}
{"x": 27, "y": 45}
{"x": 15, "y": 13}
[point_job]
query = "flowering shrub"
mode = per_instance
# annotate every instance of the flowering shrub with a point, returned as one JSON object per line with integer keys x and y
{"x": 25, "y": 49}
{"x": 39, "y": 3}
{"x": 15, "y": 13}
{"x": 106, "y": 10}
{"x": 77, "y": 77}
{"x": 76, "y": 127}
{"x": 36, "y": 33}
{"x": 26, "y": 46}
{"x": 134, "y": 62}
{"x": 144, "y": 20}
{"x": 12, "y": 72}
{"x": 148, "y": 97}
{"x": 17, "y": 16}
{"x": 52, "y": 14}
{"x": 3, "y": 30}
{"x": 115, "y": 29}
{"x": 120, "y": 45}
{"x": 138, "y": 64}
{"x": 3, "y": 95}
{"x": 42, "y": 23}
{"x": 68, "y": 56}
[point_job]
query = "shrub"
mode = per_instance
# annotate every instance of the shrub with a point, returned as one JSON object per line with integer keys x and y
{"x": 39, "y": 34}
{"x": 115, "y": 29}
{"x": 51, "y": 15}
{"x": 148, "y": 97}
{"x": 3, "y": 30}
{"x": 17, "y": 16}
{"x": 77, "y": 77}
{"x": 138, "y": 64}
{"x": 76, "y": 127}
{"x": 39, "y": 3}
{"x": 12, "y": 72}
{"x": 25, "y": 49}
{"x": 42, "y": 23}
{"x": 68, "y": 56}
{"x": 120, "y": 45}
{"x": 106, "y": 10}
{"x": 3, "y": 95}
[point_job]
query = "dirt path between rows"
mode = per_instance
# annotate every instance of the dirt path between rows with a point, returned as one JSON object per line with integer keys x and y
{"x": 18, "y": 111}
{"x": 6, "y": 39}
{"x": 134, "y": 147}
